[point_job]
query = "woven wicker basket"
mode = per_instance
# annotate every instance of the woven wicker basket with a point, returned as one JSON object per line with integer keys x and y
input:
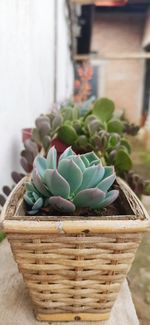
{"x": 73, "y": 267}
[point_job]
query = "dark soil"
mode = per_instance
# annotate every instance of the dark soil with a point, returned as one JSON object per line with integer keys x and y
{"x": 119, "y": 207}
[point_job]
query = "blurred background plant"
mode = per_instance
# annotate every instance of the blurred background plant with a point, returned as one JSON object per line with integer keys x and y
{"x": 86, "y": 126}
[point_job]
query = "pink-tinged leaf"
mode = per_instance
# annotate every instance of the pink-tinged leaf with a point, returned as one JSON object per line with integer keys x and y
{"x": 2, "y": 200}
{"x": 40, "y": 163}
{"x": 107, "y": 182}
{"x": 39, "y": 184}
{"x": 67, "y": 153}
{"x": 56, "y": 184}
{"x": 6, "y": 190}
{"x": 60, "y": 204}
{"x": 38, "y": 204}
{"x": 26, "y": 166}
{"x": 89, "y": 198}
{"x": 110, "y": 198}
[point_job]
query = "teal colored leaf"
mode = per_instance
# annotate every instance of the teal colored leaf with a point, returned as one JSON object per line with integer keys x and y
{"x": 71, "y": 172}
{"x": 92, "y": 176}
{"x": 30, "y": 187}
{"x": 78, "y": 161}
{"x": 122, "y": 161}
{"x": 28, "y": 199}
{"x": 109, "y": 199}
{"x": 52, "y": 158}
{"x": 107, "y": 182}
{"x": 40, "y": 186}
{"x": 91, "y": 157}
{"x": 109, "y": 170}
{"x": 33, "y": 212}
{"x": 85, "y": 160}
{"x": 56, "y": 184}
{"x": 115, "y": 125}
{"x": 41, "y": 164}
{"x": 67, "y": 134}
{"x": 60, "y": 204}
{"x": 38, "y": 204}
{"x": 89, "y": 198}
{"x": 35, "y": 195}
{"x": 103, "y": 109}
{"x": 86, "y": 106}
{"x": 67, "y": 153}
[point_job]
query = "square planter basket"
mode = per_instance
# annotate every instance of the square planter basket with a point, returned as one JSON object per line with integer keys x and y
{"x": 74, "y": 266}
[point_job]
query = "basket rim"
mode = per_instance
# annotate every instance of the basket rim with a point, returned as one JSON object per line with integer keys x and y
{"x": 79, "y": 225}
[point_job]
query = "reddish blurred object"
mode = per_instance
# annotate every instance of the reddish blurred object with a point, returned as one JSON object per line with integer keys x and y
{"x": 82, "y": 83}
{"x": 59, "y": 145}
{"x": 111, "y": 3}
{"x": 26, "y": 134}
{"x": 143, "y": 119}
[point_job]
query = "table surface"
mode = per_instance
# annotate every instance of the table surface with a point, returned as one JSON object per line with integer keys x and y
{"x": 15, "y": 304}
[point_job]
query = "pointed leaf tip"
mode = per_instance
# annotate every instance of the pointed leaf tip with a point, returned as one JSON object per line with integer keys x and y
{"x": 52, "y": 158}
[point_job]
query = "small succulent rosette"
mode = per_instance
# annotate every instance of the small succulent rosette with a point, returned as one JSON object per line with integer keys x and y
{"x": 70, "y": 183}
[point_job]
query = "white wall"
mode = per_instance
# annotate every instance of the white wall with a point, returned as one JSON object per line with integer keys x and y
{"x": 27, "y": 38}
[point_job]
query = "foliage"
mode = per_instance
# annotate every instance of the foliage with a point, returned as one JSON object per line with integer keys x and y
{"x": 86, "y": 126}
{"x": 74, "y": 182}
{"x": 2, "y": 236}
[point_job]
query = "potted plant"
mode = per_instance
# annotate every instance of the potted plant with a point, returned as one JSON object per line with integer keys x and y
{"x": 74, "y": 230}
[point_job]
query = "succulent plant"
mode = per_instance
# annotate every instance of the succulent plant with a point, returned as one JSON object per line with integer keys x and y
{"x": 46, "y": 128}
{"x": 74, "y": 182}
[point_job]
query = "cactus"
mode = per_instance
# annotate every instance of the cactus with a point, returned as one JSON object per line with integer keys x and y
{"x": 74, "y": 182}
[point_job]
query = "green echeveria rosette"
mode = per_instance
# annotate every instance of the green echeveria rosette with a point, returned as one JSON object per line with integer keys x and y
{"x": 74, "y": 182}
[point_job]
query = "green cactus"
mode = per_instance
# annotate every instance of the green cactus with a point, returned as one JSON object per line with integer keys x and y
{"x": 76, "y": 181}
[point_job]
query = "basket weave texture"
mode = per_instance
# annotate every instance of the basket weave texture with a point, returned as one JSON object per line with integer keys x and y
{"x": 74, "y": 268}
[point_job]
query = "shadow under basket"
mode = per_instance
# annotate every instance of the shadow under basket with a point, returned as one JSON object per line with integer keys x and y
{"x": 73, "y": 267}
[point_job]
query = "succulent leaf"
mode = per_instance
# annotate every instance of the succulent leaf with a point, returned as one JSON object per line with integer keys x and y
{"x": 89, "y": 198}
{"x": 78, "y": 161}
{"x": 67, "y": 134}
{"x": 76, "y": 181}
{"x": 56, "y": 184}
{"x": 40, "y": 164}
{"x": 103, "y": 109}
{"x": 40, "y": 186}
{"x": 67, "y": 153}
{"x": 71, "y": 172}
{"x": 52, "y": 158}
{"x": 92, "y": 176}
{"x": 28, "y": 199}
{"x": 109, "y": 199}
{"x": 115, "y": 125}
{"x": 38, "y": 204}
{"x": 106, "y": 183}
{"x": 122, "y": 161}
{"x": 85, "y": 160}
{"x": 57, "y": 121}
{"x": 92, "y": 158}
{"x": 60, "y": 204}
